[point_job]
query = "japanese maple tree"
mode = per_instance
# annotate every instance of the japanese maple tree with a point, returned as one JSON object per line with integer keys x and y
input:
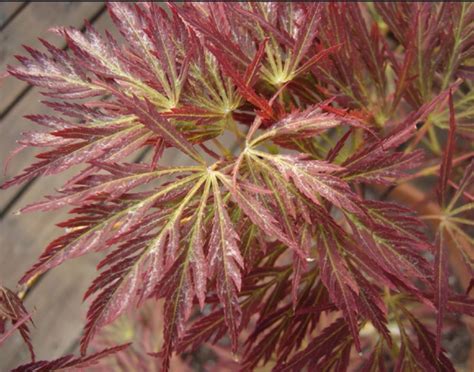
{"x": 288, "y": 245}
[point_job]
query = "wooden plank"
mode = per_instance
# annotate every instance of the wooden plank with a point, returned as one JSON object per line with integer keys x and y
{"x": 33, "y": 22}
{"x": 8, "y": 10}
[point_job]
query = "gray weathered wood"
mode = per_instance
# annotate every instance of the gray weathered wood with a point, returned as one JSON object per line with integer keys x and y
{"x": 7, "y": 9}
{"x": 33, "y": 22}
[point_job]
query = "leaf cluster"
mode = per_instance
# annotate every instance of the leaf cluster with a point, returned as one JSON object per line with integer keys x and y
{"x": 284, "y": 245}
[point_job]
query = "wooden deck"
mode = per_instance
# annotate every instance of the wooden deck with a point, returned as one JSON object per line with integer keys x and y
{"x": 56, "y": 301}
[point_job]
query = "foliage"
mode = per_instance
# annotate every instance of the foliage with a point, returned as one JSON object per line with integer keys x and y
{"x": 285, "y": 246}
{"x": 12, "y": 310}
{"x": 69, "y": 362}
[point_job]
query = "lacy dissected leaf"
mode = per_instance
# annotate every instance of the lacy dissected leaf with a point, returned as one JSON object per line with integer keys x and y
{"x": 439, "y": 38}
{"x": 212, "y": 326}
{"x": 102, "y": 57}
{"x": 375, "y": 163}
{"x": 153, "y": 41}
{"x": 375, "y": 362}
{"x": 292, "y": 111}
{"x": 70, "y": 362}
{"x": 382, "y": 167}
{"x": 258, "y": 214}
{"x": 410, "y": 359}
{"x": 244, "y": 88}
{"x": 344, "y": 267}
{"x": 306, "y": 124}
{"x": 255, "y": 286}
{"x": 427, "y": 345}
{"x": 393, "y": 238}
{"x": 441, "y": 283}
{"x": 57, "y": 74}
{"x": 441, "y": 270}
{"x": 205, "y": 20}
{"x": 342, "y": 287}
{"x": 457, "y": 213}
{"x": 314, "y": 178}
{"x": 305, "y": 37}
{"x": 357, "y": 67}
{"x": 98, "y": 223}
{"x": 462, "y": 101}
{"x": 288, "y": 52}
{"x": 97, "y": 53}
{"x": 12, "y": 310}
{"x": 122, "y": 179}
{"x": 462, "y": 304}
{"x": 331, "y": 337}
{"x": 425, "y": 354}
{"x": 157, "y": 123}
{"x": 185, "y": 279}
{"x": 76, "y": 144}
{"x": 17, "y": 325}
{"x": 278, "y": 326}
{"x": 137, "y": 266}
{"x": 368, "y": 43}
{"x": 447, "y": 162}
{"x": 265, "y": 349}
{"x": 226, "y": 263}
{"x": 208, "y": 95}
{"x": 277, "y": 195}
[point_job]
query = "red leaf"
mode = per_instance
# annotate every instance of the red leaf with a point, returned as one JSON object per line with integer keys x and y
{"x": 305, "y": 37}
{"x": 427, "y": 346}
{"x": 244, "y": 88}
{"x": 57, "y": 73}
{"x": 304, "y": 124}
{"x": 182, "y": 281}
{"x": 441, "y": 256}
{"x": 447, "y": 163}
{"x": 202, "y": 330}
{"x": 69, "y": 362}
{"x": 12, "y": 309}
{"x": 337, "y": 278}
{"x": 320, "y": 346}
{"x": 259, "y": 215}
{"x": 441, "y": 284}
{"x": 99, "y": 146}
{"x": 252, "y": 68}
{"x": 205, "y": 24}
{"x": 226, "y": 263}
{"x": 157, "y": 123}
{"x": 135, "y": 269}
{"x": 98, "y": 225}
{"x": 313, "y": 178}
